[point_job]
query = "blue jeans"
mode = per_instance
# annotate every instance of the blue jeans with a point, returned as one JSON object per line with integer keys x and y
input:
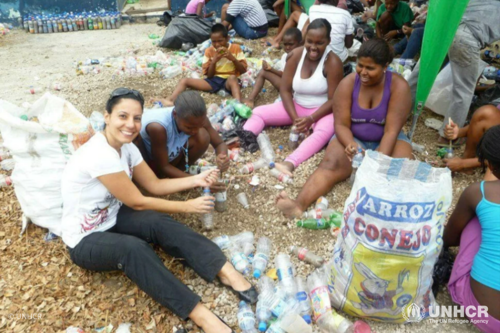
{"x": 242, "y": 29}
{"x": 409, "y": 47}
{"x": 373, "y": 145}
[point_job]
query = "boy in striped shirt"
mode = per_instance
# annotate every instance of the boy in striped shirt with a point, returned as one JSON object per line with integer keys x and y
{"x": 223, "y": 63}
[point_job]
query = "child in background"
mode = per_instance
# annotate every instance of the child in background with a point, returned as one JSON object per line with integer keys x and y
{"x": 291, "y": 40}
{"x": 223, "y": 63}
{"x": 198, "y": 7}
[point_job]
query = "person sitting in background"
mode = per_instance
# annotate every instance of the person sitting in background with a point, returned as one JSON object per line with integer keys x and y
{"x": 198, "y": 7}
{"x": 483, "y": 119}
{"x": 108, "y": 224}
{"x": 310, "y": 78}
{"x": 279, "y": 8}
{"x": 223, "y": 63}
{"x": 391, "y": 17}
{"x": 474, "y": 226}
{"x": 174, "y": 138}
{"x": 292, "y": 40}
{"x": 370, "y": 108}
{"x": 247, "y": 17}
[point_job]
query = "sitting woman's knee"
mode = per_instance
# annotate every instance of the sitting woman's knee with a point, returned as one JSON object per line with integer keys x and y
{"x": 329, "y": 163}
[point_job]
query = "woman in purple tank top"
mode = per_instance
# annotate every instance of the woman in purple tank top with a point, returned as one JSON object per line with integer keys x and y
{"x": 370, "y": 108}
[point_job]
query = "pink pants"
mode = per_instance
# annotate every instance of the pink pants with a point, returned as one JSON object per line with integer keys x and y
{"x": 459, "y": 285}
{"x": 276, "y": 115}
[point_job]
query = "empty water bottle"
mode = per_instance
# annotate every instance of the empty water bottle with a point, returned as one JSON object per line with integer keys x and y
{"x": 281, "y": 176}
{"x": 222, "y": 241}
{"x": 245, "y": 241}
{"x": 305, "y": 255}
{"x": 266, "y": 149}
{"x": 238, "y": 259}
{"x": 356, "y": 162}
{"x": 170, "y": 72}
{"x": 207, "y": 219}
{"x": 261, "y": 258}
{"x": 246, "y": 318}
{"x": 322, "y": 223}
{"x": 5, "y": 181}
{"x": 293, "y": 141}
{"x": 285, "y": 274}
{"x": 220, "y": 201}
{"x": 263, "y": 312}
{"x": 303, "y": 299}
{"x": 318, "y": 213}
{"x": 265, "y": 285}
{"x": 251, "y": 167}
{"x": 320, "y": 301}
{"x": 449, "y": 152}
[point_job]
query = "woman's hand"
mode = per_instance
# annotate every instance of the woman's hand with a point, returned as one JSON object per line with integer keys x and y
{"x": 201, "y": 205}
{"x": 351, "y": 150}
{"x": 303, "y": 124}
{"x": 451, "y": 131}
{"x": 265, "y": 65}
{"x": 455, "y": 164}
{"x": 222, "y": 161}
{"x": 206, "y": 178}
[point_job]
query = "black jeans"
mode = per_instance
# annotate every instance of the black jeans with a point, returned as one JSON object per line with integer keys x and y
{"x": 125, "y": 247}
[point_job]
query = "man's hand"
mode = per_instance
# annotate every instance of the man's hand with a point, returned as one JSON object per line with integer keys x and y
{"x": 451, "y": 131}
{"x": 303, "y": 124}
{"x": 391, "y": 34}
{"x": 265, "y": 66}
{"x": 455, "y": 164}
{"x": 222, "y": 162}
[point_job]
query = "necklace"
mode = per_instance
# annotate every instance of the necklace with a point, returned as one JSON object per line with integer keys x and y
{"x": 186, "y": 157}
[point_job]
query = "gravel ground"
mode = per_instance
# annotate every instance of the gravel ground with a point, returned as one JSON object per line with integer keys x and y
{"x": 37, "y": 277}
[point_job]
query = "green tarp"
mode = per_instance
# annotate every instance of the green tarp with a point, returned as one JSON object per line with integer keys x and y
{"x": 443, "y": 19}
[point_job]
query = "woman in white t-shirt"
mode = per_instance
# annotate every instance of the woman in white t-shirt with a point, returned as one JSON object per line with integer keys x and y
{"x": 107, "y": 222}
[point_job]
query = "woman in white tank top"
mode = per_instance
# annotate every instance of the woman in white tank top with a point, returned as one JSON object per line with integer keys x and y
{"x": 310, "y": 78}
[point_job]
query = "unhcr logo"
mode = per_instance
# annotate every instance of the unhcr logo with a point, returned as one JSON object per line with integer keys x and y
{"x": 412, "y": 313}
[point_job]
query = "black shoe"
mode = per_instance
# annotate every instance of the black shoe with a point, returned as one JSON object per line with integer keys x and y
{"x": 250, "y": 295}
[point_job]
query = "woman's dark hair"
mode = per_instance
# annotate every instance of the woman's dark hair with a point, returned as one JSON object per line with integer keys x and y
{"x": 377, "y": 49}
{"x": 321, "y": 23}
{"x": 488, "y": 149}
{"x": 123, "y": 93}
{"x": 190, "y": 104}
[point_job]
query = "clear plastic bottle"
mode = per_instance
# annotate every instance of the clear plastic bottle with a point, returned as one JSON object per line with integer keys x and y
{"x": 293, "y": 141}
{"x": 264, "y": 246}
{"x": 8, "y": 164}
{"x": 222, "y": 241}
{"x": 302, "y": 297}
{"x": 449, "y": 153}
{"x": 4, "y": 155}
{"x": 320, "y": 300}
{"x": 246, "y": 318}
{"x": 170, "y": 72}
{"x": 266, "y": 149}
{"x": 245, "y": 241}
{"x": 285, "y": 274}
{"x": 281, "y": 176}
{"x": 207, "y": 219}
{"x": 305, "y": 255}
{"x": 238, "y": 259}
{"x": 263, "y": 313}
{"x": 318, "y": 213}
{"x": 220, "y": 201}
{"x": 251, "y": 167}
{"x": 5, "y": 181}
{"x": 265, "y": 285}
{"x": 356, "y": 162}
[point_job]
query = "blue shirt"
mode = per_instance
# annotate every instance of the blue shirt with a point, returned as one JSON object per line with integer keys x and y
{"x": 176, "y": 139}
{"x": 486, "y": 265}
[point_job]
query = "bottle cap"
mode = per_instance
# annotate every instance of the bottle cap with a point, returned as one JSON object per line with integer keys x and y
{"x": 307, "y": 319}
{"x": 262, "y": 326}
{"x": 257, "y": 273}
{"x": 242, "y": 303}
{"x": 271, "y": 165}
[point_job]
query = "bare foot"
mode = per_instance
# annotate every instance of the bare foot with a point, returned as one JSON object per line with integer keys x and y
{"x": 285, "y": 167}
{"x": 287, "y": 206}
{"x": 229, "y": 276}
{"x": 208, "y": 321}
{"x": 248, "y": 102}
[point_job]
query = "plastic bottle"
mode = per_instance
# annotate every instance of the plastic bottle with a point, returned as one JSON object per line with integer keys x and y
{"x": 8, "y": 164}
{"x": 5, "y": 181}
{"x": 222, "y": 241}
{"x": 245, "y": 241}
{"x": 97, "y": 121}
{"x": 242, "y": 110}
{"x": 281, "y": 176}
{"x": 285, "y": 274}
{"x": 318, "y": 292}
{"x": 31, "y": 27}
{"x": 54, "y": 25}
{"x": 85, "y": 21}
{"x": 265, "y": 285}
{"x": 171, "y": 72}
{"x": 356, "y": 162}
{"x": 307, "y": 256}
{"x": 261, "y": 258}
{"x": 207, "y": 219}
{"x": 302, "y": 297}
{"x": 449, "y": 153}
{"x": 73, "y": 22}
{"x": 99, "y": 23}
{"x": 251, "y": 167}
{"x": 318, "y": 213}
{"x": 220, "y": 201}
{"x": 69, "y": 23}
{"x": 318, "y": 224}
{"x": 263, "y": 312}
{"x": 293, "y": 141}
{"x": 34, "y": 90}
{"x": 246, "y": 318}
{"x": 90, "y": 23}
{"x": 266, "y": 149}
{"x": 238, "y": 259}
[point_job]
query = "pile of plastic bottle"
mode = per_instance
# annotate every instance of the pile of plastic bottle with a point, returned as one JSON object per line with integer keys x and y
{"x": 69, "y": 22}
{"x": 4, "y": 29}
{"x": 294, "y": 302}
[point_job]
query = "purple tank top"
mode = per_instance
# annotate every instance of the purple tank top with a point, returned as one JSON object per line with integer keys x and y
{"x": 368, "y": 124}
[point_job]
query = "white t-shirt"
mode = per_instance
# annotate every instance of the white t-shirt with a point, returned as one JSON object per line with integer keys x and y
{"x": 88, "y": 206}
{"x": 341, "y": 22}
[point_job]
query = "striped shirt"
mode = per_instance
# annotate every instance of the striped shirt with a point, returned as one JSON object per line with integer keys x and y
{"x": 224, "y": 68}
{"x": 250, "y": 10}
